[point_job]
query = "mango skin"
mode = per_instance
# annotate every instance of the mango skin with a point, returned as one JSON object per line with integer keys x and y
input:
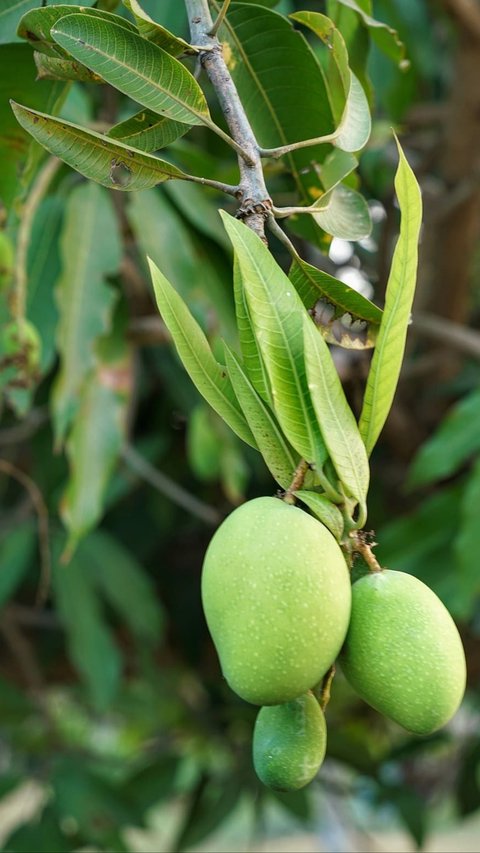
{"x": 289, "y": 743}
{"x": 403, "y": 654}
{"x": 276, "y": 594}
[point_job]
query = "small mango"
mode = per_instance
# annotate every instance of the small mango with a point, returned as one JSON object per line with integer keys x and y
{"x": 403, "y": 654}
{"x": 289, "y": 743}
{"x": 276, "y": 595}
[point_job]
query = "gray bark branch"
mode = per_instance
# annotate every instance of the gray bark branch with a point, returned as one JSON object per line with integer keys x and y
{"x": 255, "y": 203}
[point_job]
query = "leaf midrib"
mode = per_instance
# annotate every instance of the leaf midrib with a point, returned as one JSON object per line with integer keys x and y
{"x": 125, "y": 66}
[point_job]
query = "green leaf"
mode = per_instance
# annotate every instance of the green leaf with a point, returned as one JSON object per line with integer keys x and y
{"x": 90, "y": 643}
{"x": 279, "y": 458}
{"x": 199, "y": 206}
{"x": 252, "y": 357}
{"x": 466, "y": 546}
{"x": 209, "y": 377}
{"x": 18, "y": 81}
{"x": 388, "y": 354}
{"x": 349, "y": 103}
{"x": 16, "y": 554}
{"x": 85, "y": 302}
{"x": 203, "y": 444}
{"x": 282, "y": 107}
{"x": 192, "y": 268}
{"x": 327, "y": 512}
{"x": 335, "y": 417}
{"x": 54, "y": 68}
{"x": 9, "y": 15}
{"x": 451, "y": 445}
{"x": 343, "y": 213}
{"x": 149, "y": 29}
{"x": 386, "y": 37}
{"x": 336, "y": 166}
{"x": 44, "y": 269}
{"x": 136, "y": 67}
{"x": 147, "y": 131}
{"x": 343, "y": 316}
{"x": 125, "y": 585}
{"x": 277, "y": 316}
{"x": 36, "y": 26}
{"x": 111, "y": 164}
{"x": 94, "y": 445}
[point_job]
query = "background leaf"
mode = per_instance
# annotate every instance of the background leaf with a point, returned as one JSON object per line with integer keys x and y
{"x": 9, "y": 15}
{"x": 147, "y": 131}
{"x": 451, "y": 445}
{"x": 388, "y": 354}
{"x": 386, "y": 37}
{"x": 84, "y": 300}
{"x": 159, "y": 35}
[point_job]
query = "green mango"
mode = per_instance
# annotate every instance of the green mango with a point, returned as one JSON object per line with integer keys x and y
{"x": 289, "y": 743}
{"x": 276, "y": 595}
{"x": 403, "y": 654}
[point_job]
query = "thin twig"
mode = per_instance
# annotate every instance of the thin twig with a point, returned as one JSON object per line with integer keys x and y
{"x": 295, "y": 146}
{"x": 448, "y": 333}
{"x": 169, "y": 488}
{"x": 219, "y": 19}
{"x": 35, "y": 196}
{"x": 327, "y": 687}
{"x": 255, "y": 200}
{"x": 229, "y": 189}
{"x": 279, "y": 233}
{"x": 42, "y": 515}
{"x": 25, "y": 429}
{"x": 283, "y": 212}
{"x": 360, "y": 546}
{"x": 297, "y": 482}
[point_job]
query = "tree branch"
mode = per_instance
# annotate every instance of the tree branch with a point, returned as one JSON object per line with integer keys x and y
{"x": 253, "y": 194}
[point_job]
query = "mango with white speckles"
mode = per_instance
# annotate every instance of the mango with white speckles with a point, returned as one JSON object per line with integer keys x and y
{"x": 276, "y": 594}
{"x": 403, "y": 654}
{"x": 289, "y": 743}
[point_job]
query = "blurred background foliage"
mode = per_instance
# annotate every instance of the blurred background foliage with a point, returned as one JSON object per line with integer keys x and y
{"x": 113, "y": 472}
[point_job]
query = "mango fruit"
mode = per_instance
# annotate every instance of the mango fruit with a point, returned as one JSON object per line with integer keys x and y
{"x": 289, "y": 743}
{"x": 276, "y": 594}
{"x": 403, "y": 654}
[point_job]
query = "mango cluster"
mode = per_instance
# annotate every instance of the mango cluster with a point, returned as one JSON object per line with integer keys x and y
{"x": 280, "y": 607}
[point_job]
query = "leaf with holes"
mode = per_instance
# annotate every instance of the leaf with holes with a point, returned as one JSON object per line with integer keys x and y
{"x": 147, "y": 131}
{"x": 136, "y": 67}
{"x": 209, "y": 377}
{"x": 336, "y": 420}
{"x": 110, "y": 163}
{"x": 348, "y": 100}
{"x": 279, "y": 457}
{"x": 388, "y": 354}
{"x": 277, "y": 316}
{"x": 85, "y": 301}
{"x": 343, "y": 316}
{"x": 149, "y": 29}
{"x": 36, "y": 26}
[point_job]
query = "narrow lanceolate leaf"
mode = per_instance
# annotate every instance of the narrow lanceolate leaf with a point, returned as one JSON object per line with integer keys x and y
{"x": 110, "y": 163}
{"x": 252, "y": 357}
{"x": 36, "y": 26}
{"x": 388, "y": 354}
{"x": 343, "y": 316}
{"x": 327, "y": 512}
{"x": 90, "y": 643}
{"x": 343, "y": 213}
{"x": 335, "y": 417}
{"x": 348, "y": 100}
{"x": 466, "y": 539}
{"x": 149, "y": 29}
{"x": 279, "y": 458}
{"x": 93, "y": 447}
{"x": 147, "y": 131}
{"x": 54, "y": 68}
{"x": 84, "y": 300}
{"x": 210, "y": 377}
{"x": 277, "y": 316}
{"x": 136, "y": 67}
